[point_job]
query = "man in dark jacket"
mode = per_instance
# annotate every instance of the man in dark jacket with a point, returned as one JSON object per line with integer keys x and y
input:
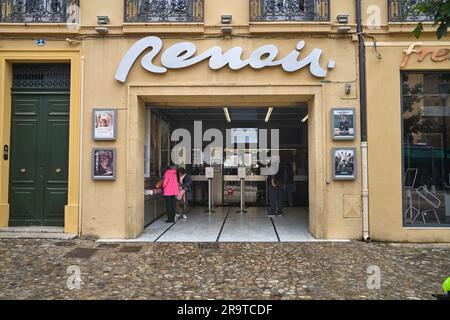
{"x": 276, "y": 193}
{"x": 288, "y": 173}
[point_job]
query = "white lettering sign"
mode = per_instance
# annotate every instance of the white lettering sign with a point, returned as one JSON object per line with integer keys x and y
{"x": 183, "y": 54}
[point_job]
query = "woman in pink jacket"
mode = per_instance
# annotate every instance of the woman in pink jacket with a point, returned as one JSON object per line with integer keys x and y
{"x": 170, "y": 190}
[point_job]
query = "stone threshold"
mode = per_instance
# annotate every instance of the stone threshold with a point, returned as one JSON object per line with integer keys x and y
{"x": 223, "y": 242}
{"x": 52, "y": 233}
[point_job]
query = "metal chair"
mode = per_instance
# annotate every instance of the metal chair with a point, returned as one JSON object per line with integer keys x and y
{"x": 432, "y": 200}
{"x": 409, "y": 180}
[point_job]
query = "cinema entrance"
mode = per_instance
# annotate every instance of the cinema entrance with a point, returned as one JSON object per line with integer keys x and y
{"x": 235, "y": 157}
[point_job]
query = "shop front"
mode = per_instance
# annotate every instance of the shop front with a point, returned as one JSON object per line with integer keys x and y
{"x": 294, "y": 87}
{"x": 415, "y": 78}
{"x": 92, "y": 116}
{"x": 119, "y": 166}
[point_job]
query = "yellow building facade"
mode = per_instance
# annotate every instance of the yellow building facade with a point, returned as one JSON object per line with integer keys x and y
{"x": 97, "y": 37}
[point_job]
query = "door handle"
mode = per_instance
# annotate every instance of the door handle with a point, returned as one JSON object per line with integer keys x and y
{"x": 5, "y": 152}
{"x": 58, "y": 171}
{"x": 23, "y": 171}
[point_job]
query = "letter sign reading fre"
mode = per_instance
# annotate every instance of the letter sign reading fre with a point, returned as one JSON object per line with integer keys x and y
{"x": 183, "y": 55}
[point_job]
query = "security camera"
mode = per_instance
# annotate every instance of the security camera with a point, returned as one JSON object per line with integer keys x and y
{"x": 72, "y": 41}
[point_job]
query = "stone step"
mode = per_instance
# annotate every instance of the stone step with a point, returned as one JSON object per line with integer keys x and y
{"x": 56, "y": 233}
{"x": 37, "y": 235}
{"x": 32, "y": 229}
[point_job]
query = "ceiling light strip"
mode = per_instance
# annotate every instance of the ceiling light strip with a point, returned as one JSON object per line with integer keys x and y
{"x": 305, "y": 118}
{"x": 269, "y": 113}
{"x": 227, "y": 114}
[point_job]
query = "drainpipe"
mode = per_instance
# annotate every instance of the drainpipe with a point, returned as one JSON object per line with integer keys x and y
{"x": 363, "y": 113}
{"x": 80, "y": 175}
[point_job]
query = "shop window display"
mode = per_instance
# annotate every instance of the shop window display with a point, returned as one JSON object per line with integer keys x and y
{"x": 156, "y": 148}
{"x": 426, "y": 146}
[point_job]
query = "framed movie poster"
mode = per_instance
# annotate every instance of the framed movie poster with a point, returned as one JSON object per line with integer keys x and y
{"x": 164, "y": 144}
{"x": 343, "y": 124}
{"x": 104, "y": 124}
{"x": 344, "y": 164}
{"x": 104, "y": 164}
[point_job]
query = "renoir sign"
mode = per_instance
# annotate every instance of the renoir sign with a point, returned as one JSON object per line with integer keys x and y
{"x": 183, "y": 55}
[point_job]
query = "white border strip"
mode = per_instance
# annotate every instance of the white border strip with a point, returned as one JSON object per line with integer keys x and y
{"x": 408, "y": 43}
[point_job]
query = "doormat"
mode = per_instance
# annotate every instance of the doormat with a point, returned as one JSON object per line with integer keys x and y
{"x": 82, "y": 253}
{"x": 64, "y": 244}
{"x": 130, "y": 249}
{"x": 108, "y": 245}
{"x": 208, "y": 245}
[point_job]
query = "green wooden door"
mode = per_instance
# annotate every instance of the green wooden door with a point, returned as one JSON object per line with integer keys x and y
{"x": 39, "y": 159}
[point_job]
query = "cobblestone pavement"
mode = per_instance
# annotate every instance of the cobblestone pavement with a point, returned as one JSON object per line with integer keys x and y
{"x": 38, "y": 269}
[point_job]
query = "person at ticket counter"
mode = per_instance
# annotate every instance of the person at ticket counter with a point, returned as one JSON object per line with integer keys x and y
{"x": 184, "y": 192}
{"x": 170, "y": 191}
{"x": 276, "y": 193}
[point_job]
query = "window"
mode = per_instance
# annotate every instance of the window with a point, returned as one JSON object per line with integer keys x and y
{"x": 426, "y": 133}
{"x": 289, "y": 10}
{"x": 156, "y": 146}
{"x": 401, "y": 11}
{"x": 39, "y": 11}
{"x": 164, "y": 10}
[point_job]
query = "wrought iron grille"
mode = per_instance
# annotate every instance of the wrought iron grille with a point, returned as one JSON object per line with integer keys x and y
{"x": 401, "y": 11}
{"x": 35, "y": 11}
{"x": 164, "y": 10}
{"x": 41, "y": 76}
{"x": 289, "y": 10}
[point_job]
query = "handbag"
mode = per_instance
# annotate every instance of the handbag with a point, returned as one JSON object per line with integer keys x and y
{"x": 180, "y": 194}
{"x": 159, "y": 184}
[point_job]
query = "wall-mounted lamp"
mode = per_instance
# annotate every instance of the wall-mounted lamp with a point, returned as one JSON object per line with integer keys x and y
{"x": 344, "y": 29}
{"x": 102, "y": 19}
{"x": 305, "y": 118}
{"x": 102, "y": 30}
{"x": 226, "y": 30}
{"x": 342, "y": 18}
{"x": 226, "y": 18}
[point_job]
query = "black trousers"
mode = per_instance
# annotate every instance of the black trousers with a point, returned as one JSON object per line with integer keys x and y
{"x": 276, "y": 199}
{"x": 170, "y": 206}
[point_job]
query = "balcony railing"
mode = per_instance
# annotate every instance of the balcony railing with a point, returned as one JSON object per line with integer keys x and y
{"x": 289, "y": 10}
{"x": 401, "y": 11}
{"x": 39, "y": 11}
{"x": 164, "y": 10}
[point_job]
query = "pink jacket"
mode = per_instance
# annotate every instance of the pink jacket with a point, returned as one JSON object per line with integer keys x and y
{"x": 170, "y": 184}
